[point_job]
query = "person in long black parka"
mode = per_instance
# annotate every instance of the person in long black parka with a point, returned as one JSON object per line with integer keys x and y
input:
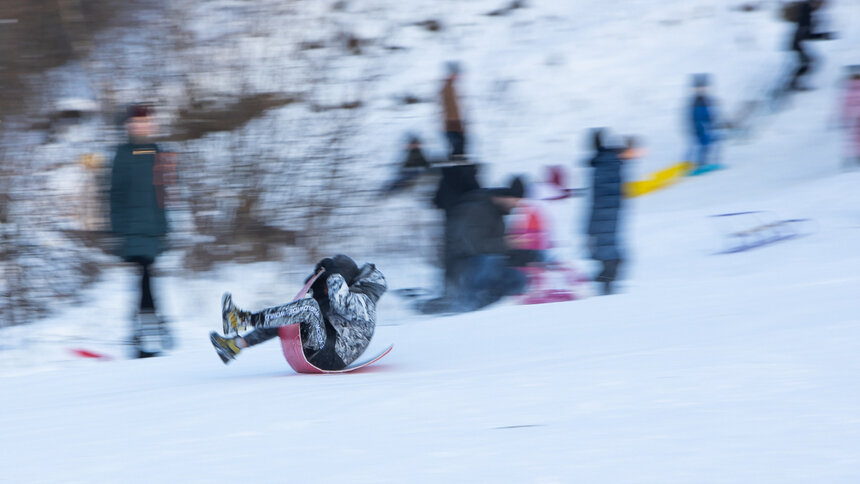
{"x": 606, "y": 204}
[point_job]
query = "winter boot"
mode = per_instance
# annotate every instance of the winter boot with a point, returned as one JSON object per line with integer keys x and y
{"x": 234, "y": 319}
{"x": 226, "y": 348}
{"x": 167, "y": 341}
{"x": 146, "y": 335}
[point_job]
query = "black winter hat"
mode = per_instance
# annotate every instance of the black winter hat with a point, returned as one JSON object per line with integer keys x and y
{"x": 348, "y": 268}
{"x": 139, "y": 110}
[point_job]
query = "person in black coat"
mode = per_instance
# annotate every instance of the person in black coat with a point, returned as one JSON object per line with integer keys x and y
{"x": 138, "y": 219}
{"x": 459, "y": 178}
{"x": 606, "y": 203}
{"x": 804, "y": 30}
{"x": 481, "y": 266}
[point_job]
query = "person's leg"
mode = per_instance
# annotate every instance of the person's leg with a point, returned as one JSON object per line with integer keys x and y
{"x": 608, "y": 275}
{"x": 699, "y": 153}
{"x": 457, "y": 141}
{"x": 450, "y": 272}
{"x": 804, "y": 63}
{"x": 705, "y": 153}
{"x": 450, "y": 135}
{"x": 326, "y": 357}
{"x": 146, "y": 301}
{"x": 259, "y": 335}
{"x": 602, "y": 277}
{"x": 305, "y": 312}
{"x": 490, "y": 279}
{"x": 149, "y": 333}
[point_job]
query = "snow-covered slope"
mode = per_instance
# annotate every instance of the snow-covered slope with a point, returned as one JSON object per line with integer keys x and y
{"x": 707, "y": 368}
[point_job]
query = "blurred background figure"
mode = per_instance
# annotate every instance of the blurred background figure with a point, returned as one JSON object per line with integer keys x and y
{"x": 458, "y": 179}
{"x": 139, "y": 222}
{"x": 455, "y": 130}
{"x": 480, "y": 256}
{"x": 412, "y": 167}
{"x": 606, "y": 202}
{"x": 802, "y": 13}
{"x": 531, "y": 229}
{"x": 529, "y": 236}
{"x": 703, "y": 125}
{"x": 91, "y": 189}
{"x": 851, "y": 116}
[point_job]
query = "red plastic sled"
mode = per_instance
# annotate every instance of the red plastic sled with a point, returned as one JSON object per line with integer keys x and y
{"x": 538, "y": 291}
{"x": 85, "y": 353}
{"x": 291, "y": 343}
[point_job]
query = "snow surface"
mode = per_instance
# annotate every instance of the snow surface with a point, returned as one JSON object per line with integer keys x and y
{"x": 705, "y": 369}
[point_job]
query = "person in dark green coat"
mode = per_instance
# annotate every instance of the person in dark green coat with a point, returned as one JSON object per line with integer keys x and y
{"x": 138, "y": 219}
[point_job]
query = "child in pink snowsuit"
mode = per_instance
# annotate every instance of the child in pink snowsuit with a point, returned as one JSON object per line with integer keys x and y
{"x": 851, "y": 116}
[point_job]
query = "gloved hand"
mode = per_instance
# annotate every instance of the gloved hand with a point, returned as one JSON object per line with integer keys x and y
{"x": 328, "y": 266}
{"x": 319, "y": 286}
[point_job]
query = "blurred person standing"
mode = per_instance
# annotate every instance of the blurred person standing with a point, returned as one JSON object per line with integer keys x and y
{"x": 703, "y": 125}
{"x": 413, "y": 166}
{"x": 802, "y": 13}
{"x": 455, "y": 131}
{"x": 139, "y": 222}
{"x": 850, "y": 116}
{"x": 606, "y": 204}
{"x": 458, "y": 178}
{"x": 482, "y": 270}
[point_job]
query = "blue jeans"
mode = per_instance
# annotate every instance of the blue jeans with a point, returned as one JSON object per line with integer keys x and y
{"x": 484, "y": 279}
{"x": 702, "y": 151}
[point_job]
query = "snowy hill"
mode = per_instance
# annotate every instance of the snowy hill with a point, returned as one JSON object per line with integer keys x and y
{"x": 707, "y": 368}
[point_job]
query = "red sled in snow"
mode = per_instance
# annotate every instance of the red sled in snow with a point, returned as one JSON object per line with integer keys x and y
{"x": 547, "y": 282}
{"x": 550, "y": 284}
{"x": 291, "y": 343}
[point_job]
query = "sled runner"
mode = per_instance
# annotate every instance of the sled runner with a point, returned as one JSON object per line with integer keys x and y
{"x": 291, "y": 343}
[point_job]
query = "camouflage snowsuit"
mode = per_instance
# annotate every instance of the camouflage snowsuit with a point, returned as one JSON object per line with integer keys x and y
{"x": 351, "y": 316}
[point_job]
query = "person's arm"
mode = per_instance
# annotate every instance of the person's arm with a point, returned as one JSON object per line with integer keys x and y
{"x": 359, "y": 303}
